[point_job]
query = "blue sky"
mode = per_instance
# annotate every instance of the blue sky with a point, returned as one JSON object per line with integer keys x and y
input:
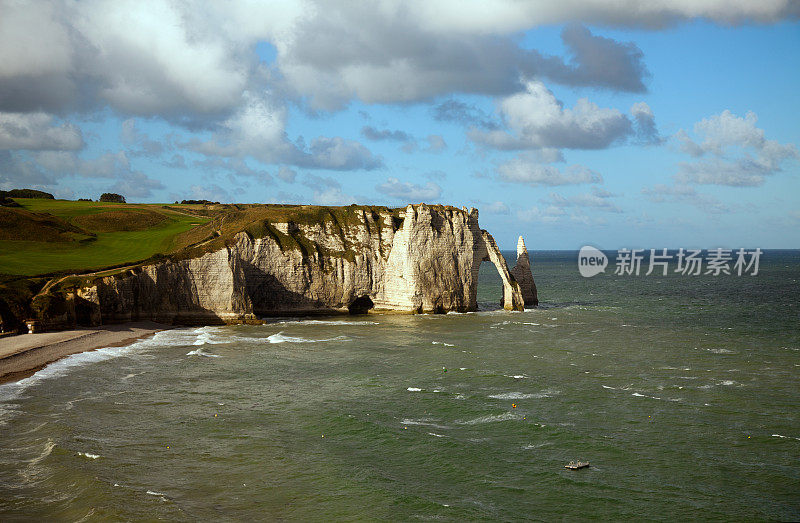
{"x": 640, "y": 125}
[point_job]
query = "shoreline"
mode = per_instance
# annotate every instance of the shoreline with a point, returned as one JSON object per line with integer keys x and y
{"x": 23, "y": 355}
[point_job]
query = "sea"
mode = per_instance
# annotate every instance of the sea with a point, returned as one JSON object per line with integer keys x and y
{"x": 682, "y": 392}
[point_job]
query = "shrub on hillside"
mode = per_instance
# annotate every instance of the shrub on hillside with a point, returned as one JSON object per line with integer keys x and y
{"x": 8, "y": 202}
{"x": 112, "y": 197}
{"x": 27, "y": 193}
{"x": 198, "y": 202}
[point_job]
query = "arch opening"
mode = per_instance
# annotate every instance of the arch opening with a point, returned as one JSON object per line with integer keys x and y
{"x": 361, "y": 305}
{"x": 490, "y": 287}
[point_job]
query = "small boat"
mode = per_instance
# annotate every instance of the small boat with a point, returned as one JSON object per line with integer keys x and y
{"x": 575, "y": 465}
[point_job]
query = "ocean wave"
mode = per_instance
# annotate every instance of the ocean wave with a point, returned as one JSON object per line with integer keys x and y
{"x": 414, "y": 389}
{"x": 325, "y": 322}
{"x": 442, "y": 343}
{"x": 281, "y": 338}
{"x": 63, "y": 366}
{"x": 200, "y": 352}
{"x": 438, "y": 436}
{"x": 720, "y": 351}
{"x": 516, "y": 376}
{"x": 784, "y": 437}
{"x": 88, "y": 455}
{"x": 639, "y": 395}
{"x": 492, "y": 418}
{"x": 205, "y": 338}
{"x": 523, "y": 396}
{"x": 426, "y": 422}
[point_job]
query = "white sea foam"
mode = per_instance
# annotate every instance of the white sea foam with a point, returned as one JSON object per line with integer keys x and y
{"x": 200, "y": 352}
{"x": 281, "y": 338}
{"x": 516, "y": 376}
{"x": 326, "y": 322}
{"x": 154, "y": 493}
{"x": 442, "y": 343}
{"x": 638, "y": 395}
{"x": 491, "y": 419}
{"x": 721, "y": 351}
{"x": 87, "y": 455}
{"x": 414, "y": 389}
{"x": 784, "y": 437}
{"x": 65, "y": 365}
{"x": 427, "y": 422}
{"x": 48, "y": 448}
{"x": 523, "y": 396}
{"x": 438, "y": 436}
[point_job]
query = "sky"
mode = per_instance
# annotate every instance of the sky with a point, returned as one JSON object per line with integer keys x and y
{"x": 617, "y": 124}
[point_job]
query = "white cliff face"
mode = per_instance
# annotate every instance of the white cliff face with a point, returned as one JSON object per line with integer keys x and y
{"x": 522, "y": 273}
{"x": 429, "y": 264}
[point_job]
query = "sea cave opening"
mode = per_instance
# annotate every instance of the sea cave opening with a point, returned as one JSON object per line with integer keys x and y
{"x": 360, "y": 305}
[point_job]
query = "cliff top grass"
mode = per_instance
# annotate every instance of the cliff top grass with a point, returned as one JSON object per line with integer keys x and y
{"x": 45, "y": 236}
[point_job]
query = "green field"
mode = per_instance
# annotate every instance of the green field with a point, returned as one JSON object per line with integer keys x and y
{"x": 151, "y": 230}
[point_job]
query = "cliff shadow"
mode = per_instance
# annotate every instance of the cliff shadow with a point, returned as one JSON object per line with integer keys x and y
{"x": 270, "y": 297}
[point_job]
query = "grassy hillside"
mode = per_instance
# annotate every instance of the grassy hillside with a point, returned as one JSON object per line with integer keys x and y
{"x": 49, "y": 236}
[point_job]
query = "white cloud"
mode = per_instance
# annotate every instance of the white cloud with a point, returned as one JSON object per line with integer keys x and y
{"x": 495, "y": 208}
{"x": 258, "y": 130}
{"x": 645, "y": 120}
{"x": 286, "y": 174}
{"x": 435, "y": 143}
{"x": 740, "y": 155}
{"x": 327, "y": 191}
{"x": 661, "y": 193}
{"x": 131, "y": 136}
{"x": 37, "y": 131}
{"x": 597, "y": 198}
{"x": 528, "y": 171}
{"x": 409, "y": 192}
{"x": 537, "y": 120}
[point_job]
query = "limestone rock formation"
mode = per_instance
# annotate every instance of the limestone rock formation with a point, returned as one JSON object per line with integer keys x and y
{"x": 423, "y": 259}
{"x": 522, "y": 273}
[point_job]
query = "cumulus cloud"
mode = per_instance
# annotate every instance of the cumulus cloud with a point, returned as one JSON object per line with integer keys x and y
{"x": 138, "y": 142}
{"x": 597, "y": 198}
{"x": 553, "y": 214}
{"x": 371, "y": 133}
{"x": 435, "y": 143}
{"x": 495, "y": 208}
{"x": 527, "y": 171}
{"x": 16, "y": 172}
{"x": 387, "y": 53}
{"x": 194, "y": 60}
{"x": 135, "y": 184}
{"x": 645, "y": 123}
{"x": 465, "y": 114}
{"x": 327, "y": 191}
{"x": 731, "y": 150}
{"x": 596, "y": 61}
{"x": 37, "y": 131}
{"x": 286, "y": 174}
{"x": 537, "y": 119}
{"x": 409, "y": 192}
{"x": 661, "y": 193}
{"x": 257, "y": 130}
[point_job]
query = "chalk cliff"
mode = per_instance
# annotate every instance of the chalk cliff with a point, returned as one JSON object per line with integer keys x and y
{"x": 422, "y": 259}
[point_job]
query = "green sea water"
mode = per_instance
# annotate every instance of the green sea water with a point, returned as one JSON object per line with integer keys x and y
{"x": 683, "y": 393}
